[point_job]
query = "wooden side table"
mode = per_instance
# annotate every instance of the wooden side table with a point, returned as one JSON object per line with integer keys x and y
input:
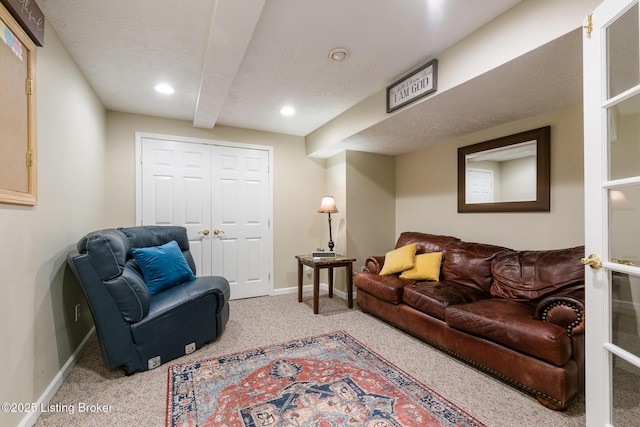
{"x": 319, "y": 263}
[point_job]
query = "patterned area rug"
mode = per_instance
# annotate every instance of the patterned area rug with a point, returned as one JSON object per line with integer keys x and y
{"x": 325, "y": 381}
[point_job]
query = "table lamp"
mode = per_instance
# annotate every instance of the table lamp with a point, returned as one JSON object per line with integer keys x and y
{"x": 328, "y": 206}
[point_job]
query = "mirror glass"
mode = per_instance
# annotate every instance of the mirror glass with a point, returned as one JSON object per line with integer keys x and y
{"x": 508, "y": 174}
{"x": 505, "y": 174}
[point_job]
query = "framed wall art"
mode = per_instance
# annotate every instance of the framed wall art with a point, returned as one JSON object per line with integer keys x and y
{"x": 413, "y": 86}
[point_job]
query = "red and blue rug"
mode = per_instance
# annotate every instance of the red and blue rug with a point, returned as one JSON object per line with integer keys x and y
{"x": 325, "y": 381}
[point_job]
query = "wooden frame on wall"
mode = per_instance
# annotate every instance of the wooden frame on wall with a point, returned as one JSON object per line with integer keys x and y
{"x": 542, "y": 201}
{"x": 18, "y": 154}
{"x": 413, "y": 86}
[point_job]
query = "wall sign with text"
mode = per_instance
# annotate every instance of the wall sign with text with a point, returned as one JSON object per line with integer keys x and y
{"x": 29, "y": 16}
{"x": 413, "y": 86}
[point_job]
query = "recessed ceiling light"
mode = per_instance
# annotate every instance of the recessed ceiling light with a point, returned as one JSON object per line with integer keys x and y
{"x": 287, "y": 111}
{"x": 338, "y": 54}
{"x": 164, "y": 88}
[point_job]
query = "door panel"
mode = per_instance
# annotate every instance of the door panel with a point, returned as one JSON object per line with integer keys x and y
{"x": 175, "y": 178}
{"x": 221, "y": 195}
{"x": 242, "y": 178}
{"x": 254, "y": 254}
{"x": 228, "y": 260}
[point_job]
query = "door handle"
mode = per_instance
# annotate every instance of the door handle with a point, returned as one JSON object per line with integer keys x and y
{"x": 217, "y": 232}
{"x": 205, "y": 232}
{"x": 592, "y": 261}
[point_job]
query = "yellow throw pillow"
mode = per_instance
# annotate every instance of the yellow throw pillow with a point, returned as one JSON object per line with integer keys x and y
{"x": 426, "y": 267}
{"x": 398, "y": 260}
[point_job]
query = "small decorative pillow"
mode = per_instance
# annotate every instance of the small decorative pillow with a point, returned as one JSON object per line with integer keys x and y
{"x": 163, "y": 267}
{"x": 399, "y": 260}
{"x": 426, "y": 267}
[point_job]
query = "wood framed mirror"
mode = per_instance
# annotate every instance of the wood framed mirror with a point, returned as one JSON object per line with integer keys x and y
{"x": 508, "y": 174}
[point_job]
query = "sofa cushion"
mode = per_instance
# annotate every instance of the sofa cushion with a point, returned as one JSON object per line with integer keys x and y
{"x": 470, "y": 264}
{"x": 426, "y": 242}
{"x": 398, "y": 260}
{"x": 528, "y": 275}
{"x": 433, "y": 298}
{"x": 425, "y": 267}
{"x": 512, "y": 324}
{"x": 163, "y": 266}
{"x": 387, "y": 288}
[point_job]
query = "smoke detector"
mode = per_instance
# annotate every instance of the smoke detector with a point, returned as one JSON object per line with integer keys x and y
{"x": 338, "y": 54}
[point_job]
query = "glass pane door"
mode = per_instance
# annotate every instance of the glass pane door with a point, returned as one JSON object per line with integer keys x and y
{"x": 612, "y": 213}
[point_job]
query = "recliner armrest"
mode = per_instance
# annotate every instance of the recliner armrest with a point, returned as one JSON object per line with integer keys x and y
{"x": 165, "y": 302}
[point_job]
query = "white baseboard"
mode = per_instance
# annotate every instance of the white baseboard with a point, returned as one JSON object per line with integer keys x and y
{"x": 309, "y": 288}
{"x": 53, "y": 387}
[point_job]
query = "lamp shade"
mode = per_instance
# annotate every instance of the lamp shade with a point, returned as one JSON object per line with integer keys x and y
{"x": 328, "y": 205}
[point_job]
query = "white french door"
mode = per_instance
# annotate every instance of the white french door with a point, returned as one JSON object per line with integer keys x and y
{"x": 221, "y": 195}
{"x": 612, "y": 207}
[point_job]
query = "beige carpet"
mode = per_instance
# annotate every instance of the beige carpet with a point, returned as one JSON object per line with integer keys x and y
{"x": 140, "y": 400}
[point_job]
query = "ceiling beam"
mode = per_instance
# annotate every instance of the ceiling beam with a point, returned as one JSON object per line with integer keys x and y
{"x": 232, "y": 26}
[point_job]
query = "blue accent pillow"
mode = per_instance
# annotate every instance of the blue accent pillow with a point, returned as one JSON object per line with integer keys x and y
{"x": 163, "y": 267}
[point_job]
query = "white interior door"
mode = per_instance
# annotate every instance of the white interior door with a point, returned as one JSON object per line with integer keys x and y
{"x": 612, "y": 208}
{"x": 221, "y": 195}
{"x": 479, "y": 186}
{"x": 240, "y": 219}
{"x": 176, "y": 190}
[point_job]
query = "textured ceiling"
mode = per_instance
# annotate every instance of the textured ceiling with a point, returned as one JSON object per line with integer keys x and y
{"x": 237, "y": 62}
{"x": 125, "y": 47}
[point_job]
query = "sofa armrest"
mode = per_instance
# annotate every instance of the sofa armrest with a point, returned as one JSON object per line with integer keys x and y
{"x": 374, "y": 264}
{"x": 564, "y": 310}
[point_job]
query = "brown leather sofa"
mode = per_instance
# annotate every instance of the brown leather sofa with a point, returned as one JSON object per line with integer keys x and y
{"x": 517, "y": 315}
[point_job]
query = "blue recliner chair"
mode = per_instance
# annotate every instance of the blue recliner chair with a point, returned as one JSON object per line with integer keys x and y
{"x": 139, "y": 327}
